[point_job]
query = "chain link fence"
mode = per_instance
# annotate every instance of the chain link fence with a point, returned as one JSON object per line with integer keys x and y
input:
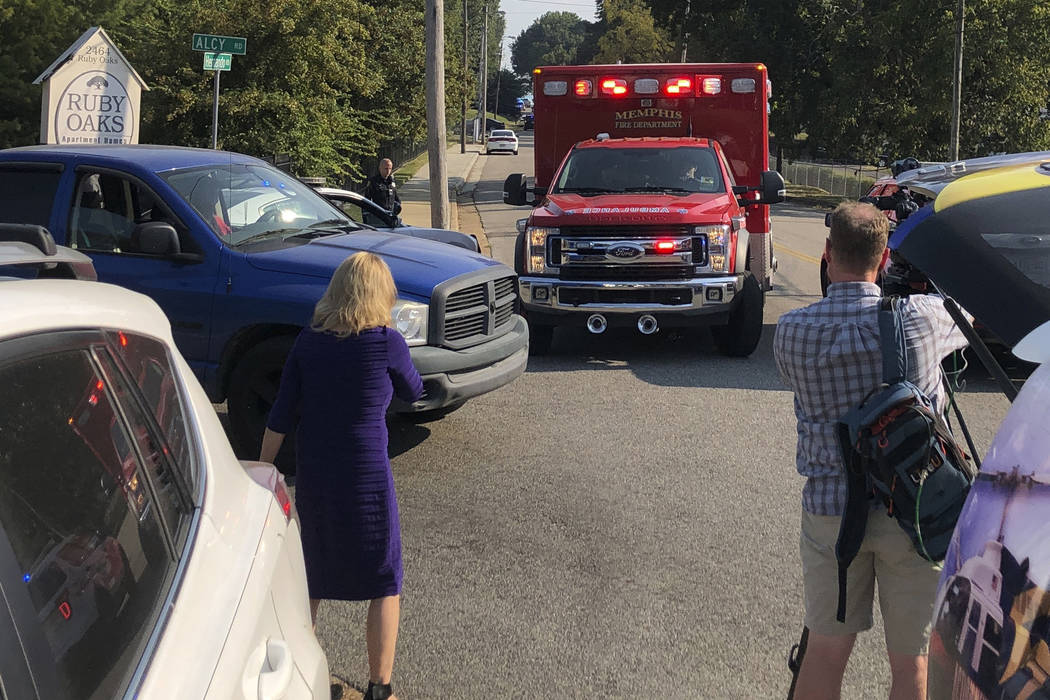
{"x": 844, "y": 179}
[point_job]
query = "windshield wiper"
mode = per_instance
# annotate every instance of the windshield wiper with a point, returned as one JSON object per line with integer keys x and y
{"x": 586, "y": 190}
{"x": 657, "y": 189}
{"x": 341, "y": 223}
{"x": 265, "y": 234}
{"x": 318, "y": 233}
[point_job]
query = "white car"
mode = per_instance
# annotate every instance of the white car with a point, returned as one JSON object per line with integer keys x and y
{"x": 138, "y": 557}
{"x": 501, "y": 141}
{"x": 364, "y": 211}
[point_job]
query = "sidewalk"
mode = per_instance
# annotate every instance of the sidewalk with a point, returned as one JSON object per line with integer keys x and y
{"x": 415, "y": 194}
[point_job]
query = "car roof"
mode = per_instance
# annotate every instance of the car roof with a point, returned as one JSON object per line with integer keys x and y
{"x": 153, "y": 157}
{"x": 33, "y": 306}
{"x": 933, "y": 178}
{"x": 337, "y": 192}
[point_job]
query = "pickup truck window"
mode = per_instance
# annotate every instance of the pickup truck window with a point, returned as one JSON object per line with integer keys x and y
{"x": 108, "y": 207}
{"x": 679, "y": 171}
{"x": 29, "y": 193}
{"x": 247, "y": 202}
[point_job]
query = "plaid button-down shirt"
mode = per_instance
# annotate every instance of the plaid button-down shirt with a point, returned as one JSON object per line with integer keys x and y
{"x": 829, "y": 354}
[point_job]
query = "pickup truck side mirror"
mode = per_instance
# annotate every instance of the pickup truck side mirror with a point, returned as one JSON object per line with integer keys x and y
{"x": 773, "y": 188}
{"x": 515, "y": 190}
{"x": 160, "y": 238}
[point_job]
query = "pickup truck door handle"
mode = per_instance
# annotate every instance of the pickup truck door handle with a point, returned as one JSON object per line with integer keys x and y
{"x": 275, "y": 677}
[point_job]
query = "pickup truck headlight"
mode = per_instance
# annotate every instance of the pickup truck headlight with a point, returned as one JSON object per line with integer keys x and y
{"x": 718, "y": 242}
{"x": 536, "y": 247}
{"x": 410, "y": 319}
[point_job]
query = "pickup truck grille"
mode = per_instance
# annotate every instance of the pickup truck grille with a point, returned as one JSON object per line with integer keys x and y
{"x": 626, "y": 253}
{"x": 478, "y": 312}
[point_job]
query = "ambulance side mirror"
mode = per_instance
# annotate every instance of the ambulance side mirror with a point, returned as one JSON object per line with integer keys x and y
{"x": 773, "y": 188}
{"x": 516, "y": 190}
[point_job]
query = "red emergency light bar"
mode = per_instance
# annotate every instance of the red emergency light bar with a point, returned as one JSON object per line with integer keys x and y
{"x": 614, "y": 86}
{"x": 583, "y": 88}
{"x": 664, "y": 247}
{"x": 678, "y": 86}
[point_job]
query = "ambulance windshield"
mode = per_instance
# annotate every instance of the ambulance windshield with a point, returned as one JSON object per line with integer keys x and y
{"x": 680, "y": 171}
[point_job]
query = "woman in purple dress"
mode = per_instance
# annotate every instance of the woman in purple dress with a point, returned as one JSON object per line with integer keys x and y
{"x": 337, "y": 384}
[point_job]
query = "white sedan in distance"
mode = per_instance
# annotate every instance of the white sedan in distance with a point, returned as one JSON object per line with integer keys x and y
{"x": 138, "y": 557}
{"x": 501, "y": 141}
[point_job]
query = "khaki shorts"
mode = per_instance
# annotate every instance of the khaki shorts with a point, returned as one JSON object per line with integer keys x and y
{"x": 907, "y": 582}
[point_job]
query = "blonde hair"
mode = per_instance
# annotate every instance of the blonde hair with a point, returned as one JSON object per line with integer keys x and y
{"x": 361, "y": 295}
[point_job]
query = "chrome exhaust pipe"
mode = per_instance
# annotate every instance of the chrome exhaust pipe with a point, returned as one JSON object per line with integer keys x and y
{"x": 597, "y": 324}
{"x": 647, "y": 324}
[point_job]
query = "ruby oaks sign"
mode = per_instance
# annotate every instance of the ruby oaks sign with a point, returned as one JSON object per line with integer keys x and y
{"x": 91, "y": 94}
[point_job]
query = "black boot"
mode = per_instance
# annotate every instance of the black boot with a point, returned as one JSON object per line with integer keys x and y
{"x": 378, "y": 691}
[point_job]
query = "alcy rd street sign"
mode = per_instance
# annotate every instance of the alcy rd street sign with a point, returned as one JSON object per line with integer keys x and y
{"x": 218, "y": 61}
{"x": 220, "y": 44}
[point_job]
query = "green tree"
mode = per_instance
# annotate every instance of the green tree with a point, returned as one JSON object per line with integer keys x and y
{"x": 511, "y": 86}
{"x": 628, "y": 34}
{"x": 35, "y": 33}
{"x": 554, "y": 39}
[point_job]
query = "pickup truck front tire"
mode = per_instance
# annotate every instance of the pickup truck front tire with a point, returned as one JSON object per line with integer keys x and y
{"x": 740, "y": 336}
{"x": 253, "y": 389}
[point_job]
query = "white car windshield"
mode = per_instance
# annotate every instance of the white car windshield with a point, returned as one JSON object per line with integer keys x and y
{"x": 241, "y": 202}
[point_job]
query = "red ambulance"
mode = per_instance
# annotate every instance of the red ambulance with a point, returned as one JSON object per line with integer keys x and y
{"x": 653, "y": 201}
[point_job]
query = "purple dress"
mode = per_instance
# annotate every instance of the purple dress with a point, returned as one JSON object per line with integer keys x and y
{"x": 339, "y": 390}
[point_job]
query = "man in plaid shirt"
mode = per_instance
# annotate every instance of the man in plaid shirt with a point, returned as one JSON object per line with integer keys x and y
{"x": 830, "y": 355}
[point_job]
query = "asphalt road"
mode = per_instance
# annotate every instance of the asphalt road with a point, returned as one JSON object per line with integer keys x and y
{"x": 621, "y": 521}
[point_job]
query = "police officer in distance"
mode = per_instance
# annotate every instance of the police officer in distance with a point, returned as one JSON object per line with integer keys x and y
{"x": 381, "y": 188}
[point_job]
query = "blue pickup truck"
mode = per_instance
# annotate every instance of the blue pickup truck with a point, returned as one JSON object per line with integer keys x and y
{"x": 237, "y": 253}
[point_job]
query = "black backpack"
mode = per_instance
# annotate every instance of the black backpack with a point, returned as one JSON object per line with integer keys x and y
{"x": 897, "y": 447}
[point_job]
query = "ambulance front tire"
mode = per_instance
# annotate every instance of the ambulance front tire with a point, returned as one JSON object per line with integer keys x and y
{"x": 740, "y": 336}
{"x": 540, "y": 339}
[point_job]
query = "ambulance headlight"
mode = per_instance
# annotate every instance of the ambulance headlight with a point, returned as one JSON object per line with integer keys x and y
{"x": 718, "y": 242}
{"x": 536, "y": 247}
{"x": 410, "y": 320}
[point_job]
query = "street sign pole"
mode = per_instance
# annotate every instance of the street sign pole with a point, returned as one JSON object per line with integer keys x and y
{"x": 215, "y": 113}
{"x": 218, "y": 56}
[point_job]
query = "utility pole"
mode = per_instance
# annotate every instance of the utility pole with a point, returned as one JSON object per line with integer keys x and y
{"x": 685, "y": 33}
{"x": 436, "y": 140}
{"x": 485, "y": 76}
{"x": 499, "y": 76}
{"x": 466, "y": 82}
{"x": 953, "y": 148}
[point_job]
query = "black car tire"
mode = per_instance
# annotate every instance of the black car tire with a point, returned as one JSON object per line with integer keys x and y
{"x": 740, "y": 336}
{"x": 253, "y": 389}
{"x": 540, "y": 339}
{"x": 515, "y": 151}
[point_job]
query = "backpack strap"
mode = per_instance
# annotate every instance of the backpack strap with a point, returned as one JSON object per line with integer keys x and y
{"x": 854, "y": 520}
{"x": 891, "y": 336}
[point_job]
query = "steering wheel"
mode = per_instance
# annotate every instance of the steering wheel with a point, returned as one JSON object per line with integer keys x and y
{"x": 268, "y": 217}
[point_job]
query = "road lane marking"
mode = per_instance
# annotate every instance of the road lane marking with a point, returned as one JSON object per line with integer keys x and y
{"x": 801, "y": 256}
